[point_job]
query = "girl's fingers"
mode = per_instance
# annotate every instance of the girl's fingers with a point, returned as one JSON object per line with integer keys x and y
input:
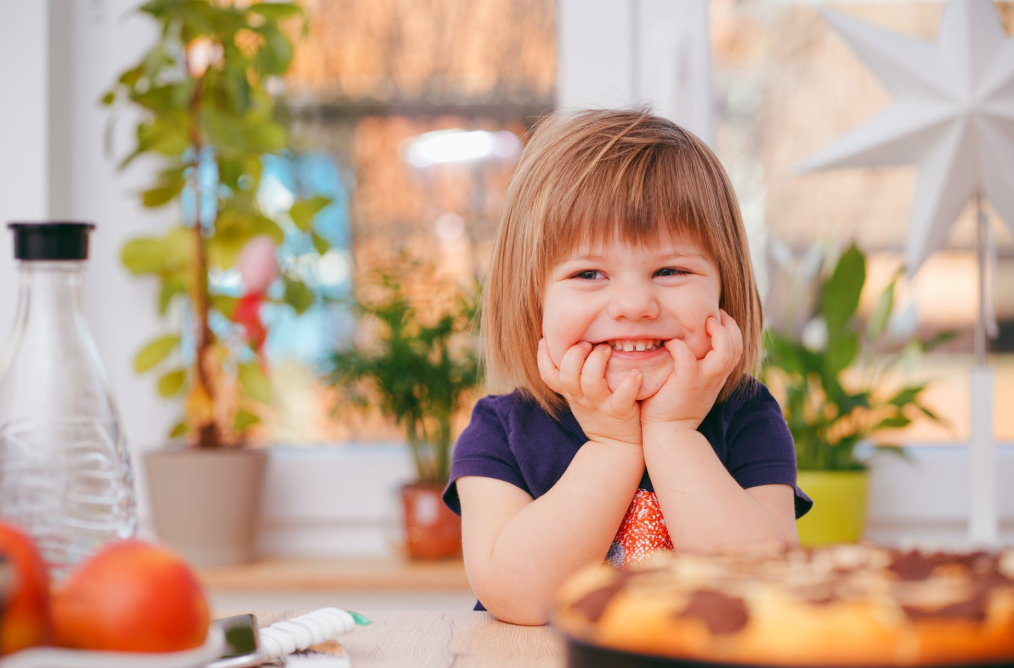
{"x": 719, "y": 359}
{"x": 571, "y": 365}
{"x": 625, "y": 394}
{"x": 593, "y": 376}
{"x": 547, "y": 369}
{"x": 726, "y": 344}
{"x": 683, "y": 357}
{"x": 736, "y": 333}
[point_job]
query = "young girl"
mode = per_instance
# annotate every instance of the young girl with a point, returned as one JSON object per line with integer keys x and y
{"x": 621, "y": 307}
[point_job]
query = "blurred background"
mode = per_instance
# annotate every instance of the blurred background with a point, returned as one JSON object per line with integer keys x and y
{"x": 407, "y": 117}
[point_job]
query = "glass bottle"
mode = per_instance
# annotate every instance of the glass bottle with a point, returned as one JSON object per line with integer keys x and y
{"x": 65, "y": 474}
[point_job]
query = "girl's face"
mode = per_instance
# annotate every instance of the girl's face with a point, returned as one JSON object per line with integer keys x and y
{"x": 633, "y": 299}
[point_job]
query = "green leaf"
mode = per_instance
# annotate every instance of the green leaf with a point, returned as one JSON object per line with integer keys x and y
{"x": 320, "y": 243}
{"x": 303, "y": 211}
{"x": 244, "y": 420}
{"x": 154, "y": 60}
{"x": 234, "y": 228}
{"x": 179, "y": 429}
{"x": 155, "y": 352}
{"x": 276, "y": 11}
{"x": 254, "y": 382}
{"x": 161, "y": 9}
{"x": 298, "y": 295}
{"x": 224, "y": 248}
{"x": 197, "y": 20}
{"x": 841, "y": 352}
{"x": 166, "y": 134}
{"x": 266, "y": 136}
{"x": 143, "y": 255}
{"x": 275, "y": 56}
{"x": 236, "y": 80}
{"x": 261, "y": 224}
{"x": 224, "y": 304}
{"x": 896, "y": 422}
{"x": 224, "y": 133}
{"x": 939, "y": 339}
{"x": 108, "y": 99}
{"x": 130, "y": 77}
{"x": 161, "y": 195}
{"x": 907, "y": 395}
{"x": 229, "y": 172}
{"x": 170, "y": 104}
{"x": 172, "y": 383}
{"x": 842, "y": 291}
{"x": 170, "y": 289}
{"x": 882, "y": 312}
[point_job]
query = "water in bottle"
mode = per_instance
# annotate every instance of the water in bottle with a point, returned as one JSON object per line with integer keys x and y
{"x": 65, "y": 474}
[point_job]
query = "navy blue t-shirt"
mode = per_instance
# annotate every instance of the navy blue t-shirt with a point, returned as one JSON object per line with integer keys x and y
{"x": 511, "y": 438}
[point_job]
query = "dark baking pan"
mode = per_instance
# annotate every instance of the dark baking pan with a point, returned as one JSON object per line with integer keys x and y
{"x": 584, "y": 655}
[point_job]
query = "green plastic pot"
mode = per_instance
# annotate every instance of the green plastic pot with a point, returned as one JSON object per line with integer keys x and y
{"x": 839, "y": 507}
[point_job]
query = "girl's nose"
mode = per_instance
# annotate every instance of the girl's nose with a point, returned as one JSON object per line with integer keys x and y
{"x": 634, "y": 304}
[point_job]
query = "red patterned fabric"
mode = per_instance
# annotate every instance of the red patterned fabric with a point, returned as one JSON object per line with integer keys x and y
{"x": 641, "y": 533}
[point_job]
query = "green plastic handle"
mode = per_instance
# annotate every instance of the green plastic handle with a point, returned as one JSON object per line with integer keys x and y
{"x": 360, "y": 619}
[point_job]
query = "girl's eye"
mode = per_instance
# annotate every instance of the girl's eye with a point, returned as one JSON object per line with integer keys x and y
{"x": 588, "y": 275}
{"x": 671, "y": 271}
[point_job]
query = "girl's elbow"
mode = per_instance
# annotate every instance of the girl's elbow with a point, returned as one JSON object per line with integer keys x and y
{"x": 519, "y": 617}
{"x": 522, "y": 613}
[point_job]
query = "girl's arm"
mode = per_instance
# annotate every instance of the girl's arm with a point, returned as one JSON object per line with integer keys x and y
{"x": 518, "y": 551}
{"x": 705, "y": 509}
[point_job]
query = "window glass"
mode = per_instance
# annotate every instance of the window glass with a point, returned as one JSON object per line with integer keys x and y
{"x": 410, "y": 115}
{"x": 787, "y": 85}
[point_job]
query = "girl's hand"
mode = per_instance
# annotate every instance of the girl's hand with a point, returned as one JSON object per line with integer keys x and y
{"x": 690, "y": 391}
{"x": 581, "y": 379}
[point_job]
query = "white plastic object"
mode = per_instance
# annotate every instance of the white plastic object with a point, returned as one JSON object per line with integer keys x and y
{"x": 303, "y": 632}
{"x": 56, "y": 657}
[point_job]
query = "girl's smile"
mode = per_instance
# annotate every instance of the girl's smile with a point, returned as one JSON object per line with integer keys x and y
{"x": 632, "y": 299}
{"x": 640, "y": 353}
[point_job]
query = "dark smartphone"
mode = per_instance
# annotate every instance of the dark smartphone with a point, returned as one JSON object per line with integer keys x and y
{"x": 241, "y": 645}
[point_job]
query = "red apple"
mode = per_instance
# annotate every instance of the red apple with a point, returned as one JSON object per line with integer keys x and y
{"x": 133, "y": 597}
{"x": 26, "y": 620}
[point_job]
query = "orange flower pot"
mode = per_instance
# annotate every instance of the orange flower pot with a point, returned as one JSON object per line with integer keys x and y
{"x": 432, "y": 531}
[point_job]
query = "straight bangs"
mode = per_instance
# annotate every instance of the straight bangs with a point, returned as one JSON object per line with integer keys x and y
{"x": 593, "y": 177}
{"x": 638, "y": 195}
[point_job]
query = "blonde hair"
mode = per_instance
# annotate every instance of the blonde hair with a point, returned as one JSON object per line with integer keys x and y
{"x": 597, "y": 175}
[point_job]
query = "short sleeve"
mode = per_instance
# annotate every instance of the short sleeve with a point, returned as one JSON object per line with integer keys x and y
{"x": 761, "y": 450}
{"x": 483, "y": 449}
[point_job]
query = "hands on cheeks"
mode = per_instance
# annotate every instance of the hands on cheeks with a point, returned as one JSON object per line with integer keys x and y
{"x": 581, "y": 380}
{"x": 692, "y": 388}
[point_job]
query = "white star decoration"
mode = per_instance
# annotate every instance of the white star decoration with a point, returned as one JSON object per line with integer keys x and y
{"x": 953, "y": 114}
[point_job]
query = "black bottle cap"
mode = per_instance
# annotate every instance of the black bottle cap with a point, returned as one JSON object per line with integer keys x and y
{"x": 63, "y": 240}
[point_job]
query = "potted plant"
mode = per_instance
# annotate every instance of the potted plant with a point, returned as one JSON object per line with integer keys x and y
{"x": 206, "y": 114}
{"x": 833, "y": 385}
{"x": 418, "y": 368}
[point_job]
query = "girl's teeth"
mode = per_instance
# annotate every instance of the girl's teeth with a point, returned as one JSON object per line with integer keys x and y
{"x": 630, "y": 346}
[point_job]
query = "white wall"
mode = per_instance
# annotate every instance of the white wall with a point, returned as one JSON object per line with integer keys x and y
{"x": 60, "y": 56}
{"x": 24, "y": 61}
{"x": 618, "y": 53}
